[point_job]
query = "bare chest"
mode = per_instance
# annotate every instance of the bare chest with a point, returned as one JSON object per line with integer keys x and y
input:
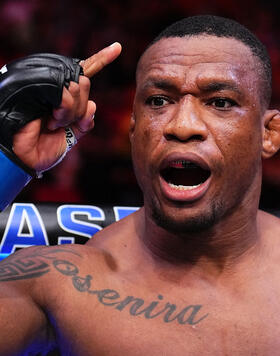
{"x": 125, "y": 320}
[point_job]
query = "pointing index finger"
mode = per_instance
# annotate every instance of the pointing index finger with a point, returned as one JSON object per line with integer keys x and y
{"x": 95, "y": 63}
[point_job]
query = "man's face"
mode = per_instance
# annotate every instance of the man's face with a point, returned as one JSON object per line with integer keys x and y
{"x": 196, "y": 133}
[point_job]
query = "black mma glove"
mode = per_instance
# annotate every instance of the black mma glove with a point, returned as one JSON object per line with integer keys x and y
{"x": 30, "y": 88}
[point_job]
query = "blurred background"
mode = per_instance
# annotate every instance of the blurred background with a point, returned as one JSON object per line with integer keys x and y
{"x": 99, "y": 169}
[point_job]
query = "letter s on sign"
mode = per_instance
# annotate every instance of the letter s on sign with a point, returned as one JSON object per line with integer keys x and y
{"x": 68, "y": 221}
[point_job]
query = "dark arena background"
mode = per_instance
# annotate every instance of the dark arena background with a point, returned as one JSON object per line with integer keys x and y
{"x": 95, "y": 184}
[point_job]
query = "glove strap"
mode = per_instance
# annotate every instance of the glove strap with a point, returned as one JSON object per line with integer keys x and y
{"x": 13, "y": 177}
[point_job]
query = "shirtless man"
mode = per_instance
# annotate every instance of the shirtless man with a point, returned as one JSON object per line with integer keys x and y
{"x": 196, "y": 270}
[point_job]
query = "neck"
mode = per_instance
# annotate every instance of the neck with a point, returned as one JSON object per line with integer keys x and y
{"x": 220, "y": 246}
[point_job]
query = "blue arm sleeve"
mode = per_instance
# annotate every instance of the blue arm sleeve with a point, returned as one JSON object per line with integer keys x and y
{"x": 13, "y": 179}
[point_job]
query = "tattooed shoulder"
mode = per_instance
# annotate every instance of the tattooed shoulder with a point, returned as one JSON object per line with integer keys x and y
{"x": 34, "y": 262}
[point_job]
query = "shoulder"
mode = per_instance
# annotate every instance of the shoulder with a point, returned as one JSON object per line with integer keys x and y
{"x": 37, "y": 270}
{"x": 120, "y": 241}
{"x": 118, "y": 232}
{"x": 32, "y": 268}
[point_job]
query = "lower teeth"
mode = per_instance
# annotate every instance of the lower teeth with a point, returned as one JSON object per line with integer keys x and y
{"x": 183, "y": 187}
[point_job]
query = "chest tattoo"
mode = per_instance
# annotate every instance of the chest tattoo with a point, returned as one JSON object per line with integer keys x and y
{"x": 39, "y": 263}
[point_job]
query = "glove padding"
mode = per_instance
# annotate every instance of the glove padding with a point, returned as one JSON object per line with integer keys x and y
{"x": 30, "y": 88}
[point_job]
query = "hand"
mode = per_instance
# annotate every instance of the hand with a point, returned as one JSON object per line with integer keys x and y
{"x": 40, "y": 143}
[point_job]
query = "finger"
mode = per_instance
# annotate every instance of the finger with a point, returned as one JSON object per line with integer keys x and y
{"x": 95, "y": 63}
{"x": 84, "y": 84}
{"x": 65, "y": 113}
{"x": 86, "y": 123}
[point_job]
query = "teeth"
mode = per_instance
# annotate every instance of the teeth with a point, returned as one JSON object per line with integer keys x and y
{"x": 183, "y": 187}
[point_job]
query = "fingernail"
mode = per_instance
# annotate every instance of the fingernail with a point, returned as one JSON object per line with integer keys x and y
{"x": 113, "y": 44}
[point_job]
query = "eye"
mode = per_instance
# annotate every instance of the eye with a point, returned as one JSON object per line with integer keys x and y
{"x": 157, "y": 101}
{"x": 222, "y": 103}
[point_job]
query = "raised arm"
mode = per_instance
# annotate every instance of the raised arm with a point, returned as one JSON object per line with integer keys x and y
{"x": 38, "y": 145}
{"x": 41, "y": 143}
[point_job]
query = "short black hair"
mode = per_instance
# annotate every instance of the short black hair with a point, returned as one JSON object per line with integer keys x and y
{"x": 223, "y": 27}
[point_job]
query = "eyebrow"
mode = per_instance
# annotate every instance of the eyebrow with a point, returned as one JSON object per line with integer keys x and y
{"x": 160, "y": 84}
{"x": 209, "y": 87}
{"x": 215, "y": 86}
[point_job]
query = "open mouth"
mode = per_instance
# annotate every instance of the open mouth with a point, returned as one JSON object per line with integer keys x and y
{"x": 184, "y": 174}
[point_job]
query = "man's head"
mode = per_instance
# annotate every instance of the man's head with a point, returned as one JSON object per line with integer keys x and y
{"x": 200, "y": 124}
{"x": 223, "y": 27}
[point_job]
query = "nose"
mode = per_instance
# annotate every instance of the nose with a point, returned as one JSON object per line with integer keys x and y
{"x": 186, "y": 122}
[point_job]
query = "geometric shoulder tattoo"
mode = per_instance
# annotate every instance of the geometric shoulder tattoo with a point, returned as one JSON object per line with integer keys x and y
{"x": 33, "y": 265}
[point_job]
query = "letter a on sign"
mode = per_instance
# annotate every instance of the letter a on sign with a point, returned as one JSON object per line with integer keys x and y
{"x": 24, "y": 228}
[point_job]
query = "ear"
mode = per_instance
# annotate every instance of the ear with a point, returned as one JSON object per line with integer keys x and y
{"x": 271, "y": 135}
{"x": 131, "y": 126}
